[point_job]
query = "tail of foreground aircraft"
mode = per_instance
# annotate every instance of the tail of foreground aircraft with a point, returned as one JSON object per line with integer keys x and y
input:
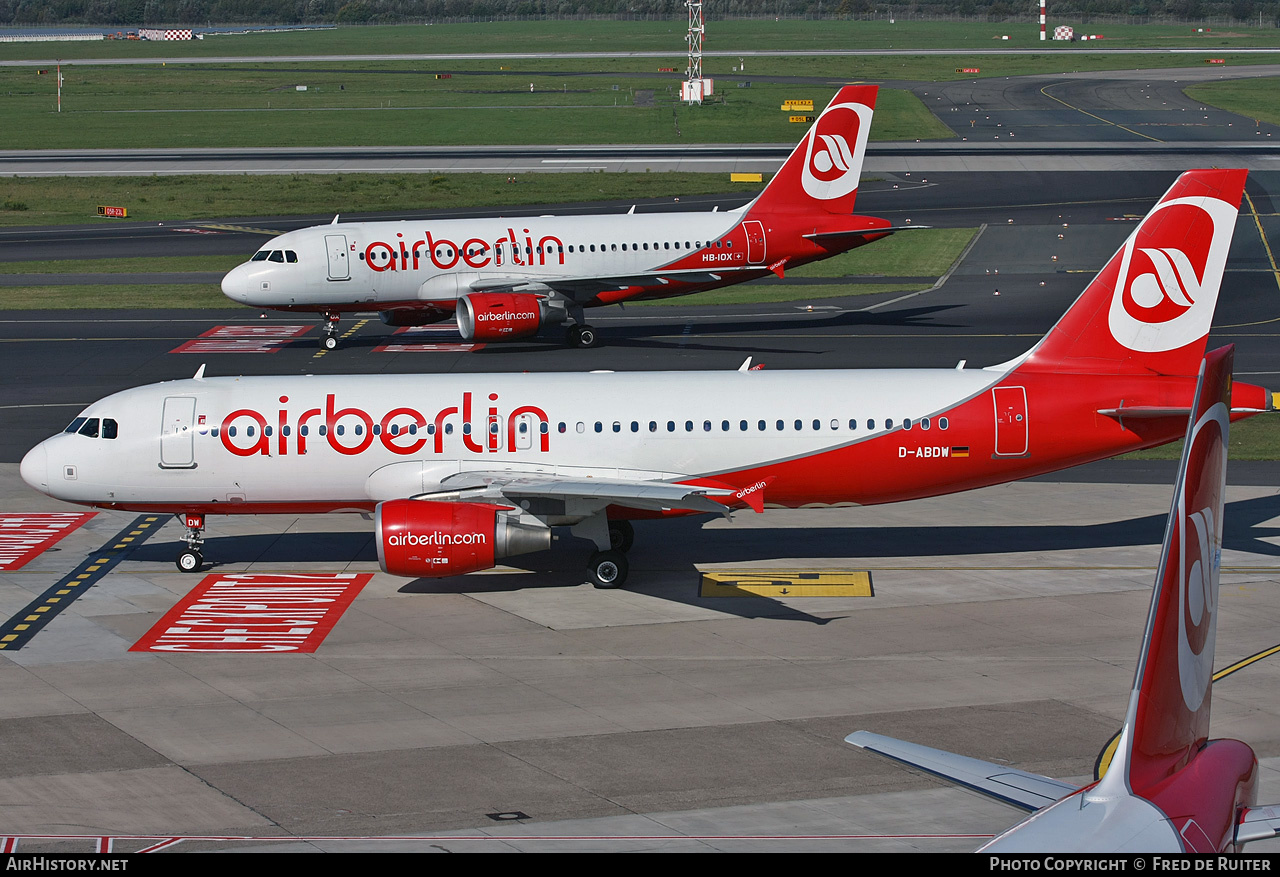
{"x": 1168, "y": 788}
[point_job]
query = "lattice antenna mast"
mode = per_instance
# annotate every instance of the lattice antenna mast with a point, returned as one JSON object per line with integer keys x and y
{"x": 693, "y": 74}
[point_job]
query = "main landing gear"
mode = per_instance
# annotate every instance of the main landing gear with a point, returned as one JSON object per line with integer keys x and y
{"x": 609, "y": 568}
{"x": 329, "y": 340}
{"x": 582, "y": 335}
{"x": 190, "y": 559}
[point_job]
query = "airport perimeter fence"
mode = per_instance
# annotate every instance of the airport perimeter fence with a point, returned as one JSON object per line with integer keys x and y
{"x": 1264, "y": 14}
{"x": 1061, "y": 16}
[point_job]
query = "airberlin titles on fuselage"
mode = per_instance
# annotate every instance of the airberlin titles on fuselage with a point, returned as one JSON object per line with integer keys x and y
{"x": 508, "y": 251}
{"x": 246, "y": 432}
{"x": 445, "y": 254}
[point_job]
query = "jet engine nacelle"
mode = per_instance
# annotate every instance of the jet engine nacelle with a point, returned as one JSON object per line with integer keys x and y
{"x": 495, "y": 316}
{"x": 421, "y": 538}
{"x": 415, "y": 317}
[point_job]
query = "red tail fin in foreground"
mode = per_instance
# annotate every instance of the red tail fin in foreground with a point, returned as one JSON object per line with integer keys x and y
{"x": 821, "y": 175}
{"x": 1168, "y": 717}
{"x": 1149, "y": 310}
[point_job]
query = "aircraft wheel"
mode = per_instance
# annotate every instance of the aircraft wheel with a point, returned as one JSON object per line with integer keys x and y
{"x": 621, "y": 536}
{"x": 608, "y": 569}
{"x": 190, "y": 561}
{"x": 329, "y": 342}
{"x": 587, "y": 337}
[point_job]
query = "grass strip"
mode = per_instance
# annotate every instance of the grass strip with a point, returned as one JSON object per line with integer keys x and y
{"x": 748, "y": 293}
{"x": 163, "y": 296}
{"x": 124, "y": 266}
{"x": 921, "y": 252}
{"x": 198, "y": 198}
{"x": 1256, "y": 438}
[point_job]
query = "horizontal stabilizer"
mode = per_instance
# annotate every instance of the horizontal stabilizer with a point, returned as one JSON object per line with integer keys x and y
{"x": 1027, "y": 791}
{"x": 1258, "y": 823}
{"x": 820, "y": 236}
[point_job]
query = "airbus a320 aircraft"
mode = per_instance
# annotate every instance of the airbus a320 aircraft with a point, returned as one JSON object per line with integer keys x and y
{"x": 507, "y": 278}
{"x": 463, "y": 470}
{"x": 1168, "y": 788}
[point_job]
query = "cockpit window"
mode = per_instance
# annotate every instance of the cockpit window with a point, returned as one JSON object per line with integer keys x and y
{"x": 276, "y": 256}
{"x": 75, "y": 425}
{"x": 90, "y": 428}
{"x": 290, "y": 256}
{"x": 260, "y": 256}
{"x": 109, "y": 428}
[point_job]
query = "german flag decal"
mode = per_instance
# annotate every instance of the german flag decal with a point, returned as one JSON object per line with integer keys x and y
{"x": 962, "y": 451}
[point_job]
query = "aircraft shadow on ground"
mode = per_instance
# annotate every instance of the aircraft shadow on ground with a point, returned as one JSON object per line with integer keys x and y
{"x": 680, "y": 546}
{"x": 647, "y": 335}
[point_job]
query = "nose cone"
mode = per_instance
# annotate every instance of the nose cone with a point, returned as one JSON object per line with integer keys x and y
{"x": 235, "y": 285}
{"x": 35, "y": 468}
{"x": 242, "y": 282}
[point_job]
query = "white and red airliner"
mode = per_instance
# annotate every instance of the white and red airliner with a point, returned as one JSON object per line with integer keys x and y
{"x": 463, "y": 470}
{"x": 1168, "y": 787}
{"x": 507, "y": 278}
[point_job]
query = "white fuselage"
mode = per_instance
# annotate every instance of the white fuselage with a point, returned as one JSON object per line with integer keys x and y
{"x": 397, "y": 263}
{"x": 348, "y": 441}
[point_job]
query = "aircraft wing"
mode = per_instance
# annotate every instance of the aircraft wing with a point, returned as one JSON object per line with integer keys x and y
{"x": 1258, "y": 823}
{"x": 585, "y": 495}
{"x": 1026, "y": 791}
{"x": 583, "y": 288}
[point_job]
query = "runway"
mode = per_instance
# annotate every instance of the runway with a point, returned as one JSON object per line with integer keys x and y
{"x": 523, "y": 710}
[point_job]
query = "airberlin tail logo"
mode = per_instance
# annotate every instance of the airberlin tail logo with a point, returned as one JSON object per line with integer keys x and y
{"x": 1170, "y": 272}
{"x": 833, "y": 153}
{"x": 1200, "y": 540}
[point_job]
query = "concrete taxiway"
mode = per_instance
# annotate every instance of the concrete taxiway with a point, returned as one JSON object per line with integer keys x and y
{"x": 521, "y": 709}
{"x": 522, "y": 702}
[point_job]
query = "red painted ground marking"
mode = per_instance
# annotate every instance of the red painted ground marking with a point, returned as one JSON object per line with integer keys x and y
{"x": 25, "y": 537}
{"x": 232, "y": 345}
{"x": 254, "y": 612}
{"x": 243, "y": 339}
{"x": 449, "y": 329}
{"x": 255, "y": 331}
{"x": 428, "y": 347}
{"x": 437, "y": 338}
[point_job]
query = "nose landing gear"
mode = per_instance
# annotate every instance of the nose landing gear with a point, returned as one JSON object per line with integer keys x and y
{"x": 329, "y": 340}
{"x": 190, "y": 559}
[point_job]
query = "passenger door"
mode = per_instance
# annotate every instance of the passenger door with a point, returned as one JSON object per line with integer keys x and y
{"x": 339, "y": 264}
{"x": 177, "y": 438}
